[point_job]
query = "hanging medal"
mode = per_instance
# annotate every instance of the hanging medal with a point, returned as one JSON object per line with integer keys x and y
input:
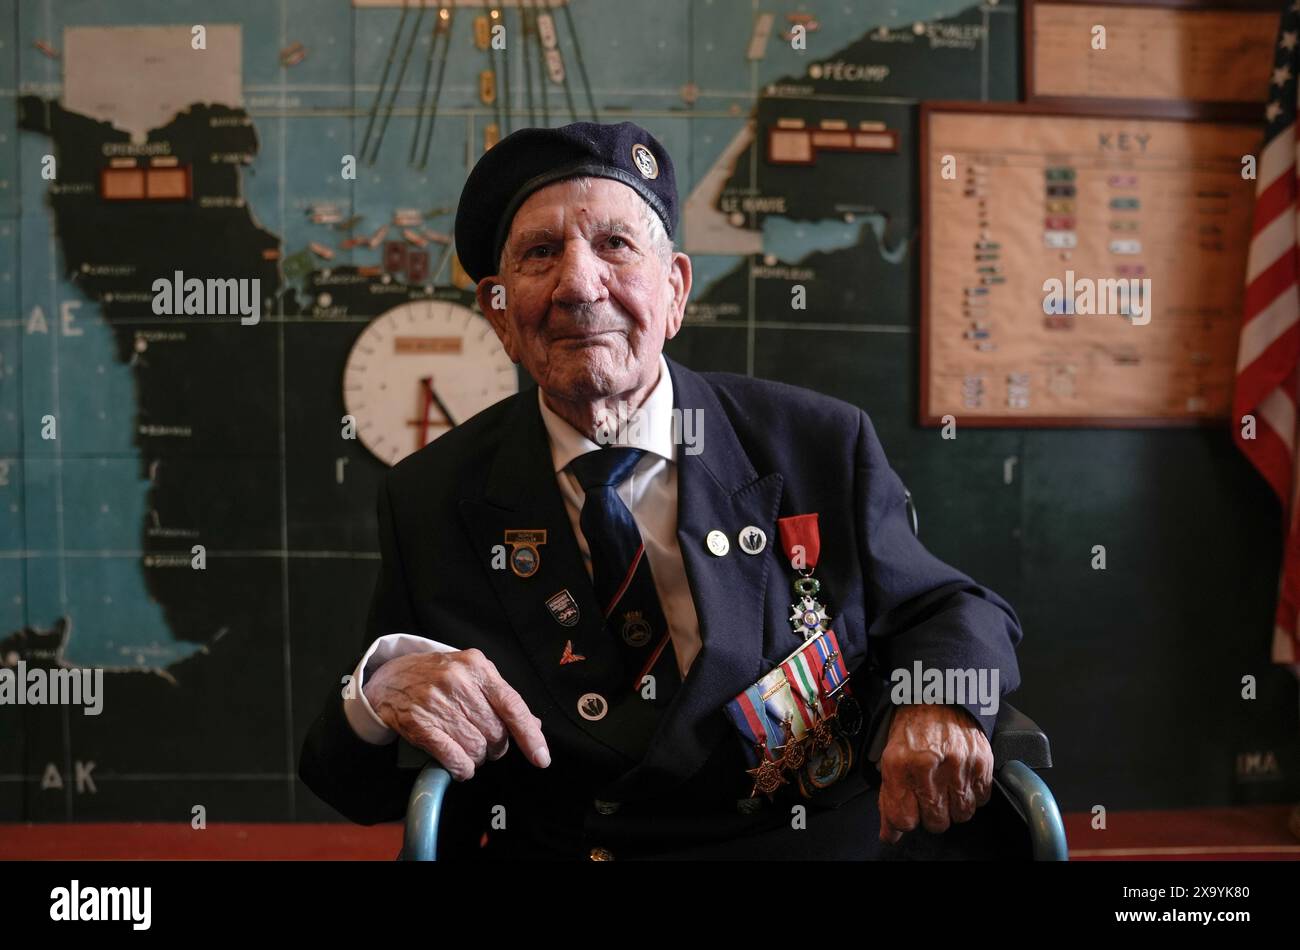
{"x": 753, "y": 714}
{"x": 793, "y": 751}
{"x": 801, "y": 541}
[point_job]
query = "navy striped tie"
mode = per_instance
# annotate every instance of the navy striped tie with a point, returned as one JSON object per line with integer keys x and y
{"x": 621, "y": 574}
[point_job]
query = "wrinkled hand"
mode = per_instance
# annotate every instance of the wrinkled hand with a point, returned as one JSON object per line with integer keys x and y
{"x": 456, "y": 707}
{"x": 937, "y": 768}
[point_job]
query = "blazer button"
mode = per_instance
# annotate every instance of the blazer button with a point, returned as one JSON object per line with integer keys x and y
{"x": 600, "y": 854}
{"x": 606, "y": 808}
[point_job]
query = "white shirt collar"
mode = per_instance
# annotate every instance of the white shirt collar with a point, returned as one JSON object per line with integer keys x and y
{"x": 650, "y": 427}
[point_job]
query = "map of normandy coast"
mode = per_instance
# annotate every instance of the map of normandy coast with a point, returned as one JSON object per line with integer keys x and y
{"x": 179, "y": 433}
{"x": 166, "y": 102}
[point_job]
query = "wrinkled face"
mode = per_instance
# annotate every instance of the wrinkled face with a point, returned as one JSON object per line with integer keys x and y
{"x": 589, "y": 296}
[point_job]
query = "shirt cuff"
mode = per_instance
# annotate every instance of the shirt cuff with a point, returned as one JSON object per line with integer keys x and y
{"x": 361, "y": 717}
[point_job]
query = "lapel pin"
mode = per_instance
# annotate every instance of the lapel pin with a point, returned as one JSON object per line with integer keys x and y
{"x": 592, "y": 707}
{"x": 636, "y": 632}
{"x": 568, "y": 656}
{"x": 525, "y": 559}
{"x": 563, "y": 608}
{"x": 752, "y": 539}
{"x": 717, "y": 543}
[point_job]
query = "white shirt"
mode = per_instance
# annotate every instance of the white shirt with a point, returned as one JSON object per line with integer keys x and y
{"x": 650, "y": 493}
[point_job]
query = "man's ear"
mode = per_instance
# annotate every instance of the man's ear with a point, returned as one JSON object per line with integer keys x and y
{"x": 491, "y": 296}
{"x": 679, "y": 276}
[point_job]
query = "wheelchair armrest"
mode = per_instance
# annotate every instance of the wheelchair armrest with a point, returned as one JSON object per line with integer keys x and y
{"x": 1034, "y": 801}
{"x": 1019, "y": 747}
{"x": 424, "y": 812}
{"x": 1017, "y": 737}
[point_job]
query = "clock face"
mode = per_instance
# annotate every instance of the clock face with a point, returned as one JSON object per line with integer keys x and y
{"x": 420, "y": 369}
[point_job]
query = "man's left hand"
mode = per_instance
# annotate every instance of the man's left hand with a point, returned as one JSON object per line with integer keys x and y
{"x": 937, "y": 768}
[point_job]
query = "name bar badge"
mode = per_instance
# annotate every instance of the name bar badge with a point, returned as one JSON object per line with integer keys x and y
{"x": 525, "y": 559}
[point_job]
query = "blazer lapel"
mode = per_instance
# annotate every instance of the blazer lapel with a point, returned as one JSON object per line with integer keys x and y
{"x": 717, "y": 489}
{"x": 521, "y": 493}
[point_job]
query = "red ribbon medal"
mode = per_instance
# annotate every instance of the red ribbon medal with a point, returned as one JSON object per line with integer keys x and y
{"x": 801, "y": 539}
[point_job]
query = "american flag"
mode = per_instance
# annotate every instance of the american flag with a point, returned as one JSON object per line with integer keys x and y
{"x": 1268, "y": 353}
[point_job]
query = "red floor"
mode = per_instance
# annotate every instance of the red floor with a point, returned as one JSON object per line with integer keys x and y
{"x": 146, "y": 841}
{"x": 1257, "y": 833}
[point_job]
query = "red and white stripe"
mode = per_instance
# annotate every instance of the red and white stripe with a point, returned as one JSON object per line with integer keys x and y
{"x": 1267, "y": 358}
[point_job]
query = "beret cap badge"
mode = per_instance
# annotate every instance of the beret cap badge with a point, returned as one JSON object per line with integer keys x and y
{"x": 644, "y": 160}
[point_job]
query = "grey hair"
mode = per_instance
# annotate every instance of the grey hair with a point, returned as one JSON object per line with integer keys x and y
{"x": 659, "y": 240}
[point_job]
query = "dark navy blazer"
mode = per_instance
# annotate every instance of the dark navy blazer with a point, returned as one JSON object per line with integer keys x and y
{"x": 767, "y": 450}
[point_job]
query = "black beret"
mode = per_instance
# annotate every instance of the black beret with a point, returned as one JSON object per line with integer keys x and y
{"x": 529, "y": 159}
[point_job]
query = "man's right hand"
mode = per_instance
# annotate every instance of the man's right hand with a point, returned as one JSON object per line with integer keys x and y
{"x": 456, "y": 707}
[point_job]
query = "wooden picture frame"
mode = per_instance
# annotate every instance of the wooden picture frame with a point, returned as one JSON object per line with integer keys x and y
{"x": 932, "y": 415}
{"x": 1183, "y": 108}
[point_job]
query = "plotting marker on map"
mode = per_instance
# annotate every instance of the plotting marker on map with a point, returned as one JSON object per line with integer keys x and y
{"x": 47, "y": 49}
{"x": 555, "y": 68}
{"x": 806, "y": 20}
{"x": 320, "y": 250}
{"x": 296, "y": 265}
{"x": 759, "y": 38}
{"x": 417, "y": 266}
{"x": 487, "y": 87}
{"x": 325, "y": 213}
{"x": 293, "y": 54}
{"x": 394, "y": 257}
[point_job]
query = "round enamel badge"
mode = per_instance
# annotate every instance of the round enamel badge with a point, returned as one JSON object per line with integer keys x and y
{"x": 636, "y": 632}
{"x": 752, "y": 539}
{"x": 524, "y": 560}
{"x": 592, "y": 707}
{"x": 644, "y": 159}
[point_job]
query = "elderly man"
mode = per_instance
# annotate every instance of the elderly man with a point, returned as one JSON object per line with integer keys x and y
{"x": 647, "y": 612}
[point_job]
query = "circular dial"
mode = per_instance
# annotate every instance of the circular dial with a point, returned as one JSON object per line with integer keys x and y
{"x": 420, "y": 369}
